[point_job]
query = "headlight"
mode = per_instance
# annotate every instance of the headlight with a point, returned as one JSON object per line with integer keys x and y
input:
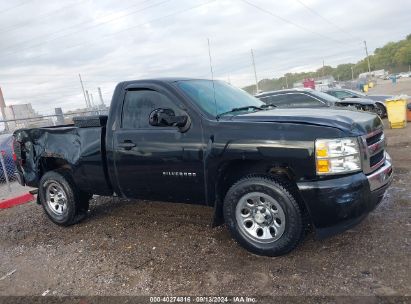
{"x": 336, "y": 156}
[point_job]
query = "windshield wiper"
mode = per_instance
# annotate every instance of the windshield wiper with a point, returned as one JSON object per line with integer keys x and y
{"x": 263, "y": 107}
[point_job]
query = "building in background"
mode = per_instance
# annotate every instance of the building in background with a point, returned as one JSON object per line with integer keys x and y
{"x": 20, "y": 116}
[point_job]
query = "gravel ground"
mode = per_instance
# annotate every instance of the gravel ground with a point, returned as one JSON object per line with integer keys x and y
{"x": 148, "y": 248}
{"x": 403, "y": 86}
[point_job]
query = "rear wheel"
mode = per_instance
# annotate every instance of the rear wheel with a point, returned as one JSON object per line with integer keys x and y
{"x": 263, "y": 215}
{"x": 61, "y": 200}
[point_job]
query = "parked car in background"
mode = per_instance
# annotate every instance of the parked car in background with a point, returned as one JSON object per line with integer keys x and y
{"x": 347, "y": 93}
{"x": 404, "y": 75}
{"x": 6, "y": 149}
{"x": 303, "y": 98}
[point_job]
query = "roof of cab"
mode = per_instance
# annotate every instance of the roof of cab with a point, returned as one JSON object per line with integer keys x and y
{"x": 162, "y": 79}
{"x": 284, "y": 91}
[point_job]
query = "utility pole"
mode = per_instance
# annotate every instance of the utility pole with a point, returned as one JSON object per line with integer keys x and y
{"x": 101, "y": 96}
{"x": 255, "y": 72}
{"x": 286, "y": 81}
{"x": 84, "y": 93}
{"x": 368, "y": 58}
{"x": 352, "y": 73}
{"x": 88, "y": 100}
{"x": 323, "y": 68}
{"x": 92, "y": 100}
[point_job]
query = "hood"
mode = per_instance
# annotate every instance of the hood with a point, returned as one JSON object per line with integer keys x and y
{"x": 379, "y": 97}
{"x": 351, "y": 121}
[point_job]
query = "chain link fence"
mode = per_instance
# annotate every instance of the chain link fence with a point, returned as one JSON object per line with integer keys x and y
{"x": 9, "y": 187}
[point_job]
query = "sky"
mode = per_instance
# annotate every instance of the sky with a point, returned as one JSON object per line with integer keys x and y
{"x": 45, "y": 45}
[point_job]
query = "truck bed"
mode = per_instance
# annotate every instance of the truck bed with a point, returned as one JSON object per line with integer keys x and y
{"x": 80, "y": 149}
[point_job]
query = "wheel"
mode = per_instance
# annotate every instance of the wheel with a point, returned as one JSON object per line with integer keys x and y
{"x": 263, "y": 215}
{"x": 61, "y": 199}
{"x": 381, "y": 111}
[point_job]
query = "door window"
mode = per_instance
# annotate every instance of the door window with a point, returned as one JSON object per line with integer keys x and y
{"x": 138, "y": 105}
{"x": 342, "y": 94}
{"x": 292, "y": 100}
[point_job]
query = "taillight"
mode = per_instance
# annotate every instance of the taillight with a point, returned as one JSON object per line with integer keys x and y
{"x": 16, "y": 146}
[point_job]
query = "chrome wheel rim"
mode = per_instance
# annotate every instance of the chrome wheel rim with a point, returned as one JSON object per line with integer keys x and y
{"x": 260, "y": 217}
{"x": 56, "y": 198}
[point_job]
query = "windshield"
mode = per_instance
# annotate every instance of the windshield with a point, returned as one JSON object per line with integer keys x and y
{"x": 325, "y": 96}
{"x": 226, "y": 99}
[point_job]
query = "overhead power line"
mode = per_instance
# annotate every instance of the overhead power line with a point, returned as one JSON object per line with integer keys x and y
{"x": 15, "y": 6}
{"x": 16, "y": 46}
{"x": 40, "y": 17}
{"x": 292, "y": 22}
{"x": 99, "y": 39}
{"x": 326, "y": 20}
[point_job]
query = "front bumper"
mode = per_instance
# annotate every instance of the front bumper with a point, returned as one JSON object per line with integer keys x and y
{"x": 336, "y": 205}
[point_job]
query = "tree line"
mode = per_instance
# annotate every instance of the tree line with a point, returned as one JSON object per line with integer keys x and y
{"x": 394, "y": 57}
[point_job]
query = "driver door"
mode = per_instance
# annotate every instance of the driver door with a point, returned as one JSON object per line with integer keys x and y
{"x": 158, "y": 162}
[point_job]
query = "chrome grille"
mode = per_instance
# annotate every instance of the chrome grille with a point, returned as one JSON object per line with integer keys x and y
{"x": 373, "y": 154}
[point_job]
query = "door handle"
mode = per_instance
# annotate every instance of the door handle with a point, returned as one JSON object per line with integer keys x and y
{"x": 127, "y": 145}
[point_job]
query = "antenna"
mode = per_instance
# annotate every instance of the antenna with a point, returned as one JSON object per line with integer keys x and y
{"x": 255, "y": 71}
{"x": 212, "y": 75}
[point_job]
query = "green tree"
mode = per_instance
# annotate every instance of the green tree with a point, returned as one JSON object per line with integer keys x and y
{"x": 392, "y": 56}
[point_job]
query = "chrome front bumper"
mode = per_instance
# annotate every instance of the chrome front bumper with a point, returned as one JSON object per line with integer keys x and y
{"x": 382, "y": 176}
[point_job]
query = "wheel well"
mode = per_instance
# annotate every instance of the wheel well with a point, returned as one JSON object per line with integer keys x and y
{"x": 381, "y": 104}
{"x": 231, "y": 172}
{"x": 52, "y": 163}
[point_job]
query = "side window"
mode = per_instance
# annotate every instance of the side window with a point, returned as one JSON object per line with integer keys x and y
{"x": 139, "y": 104}
{"x": 303, "y": 100}
{"x": 341, "y": 94}
{"x": 279, "y": 100}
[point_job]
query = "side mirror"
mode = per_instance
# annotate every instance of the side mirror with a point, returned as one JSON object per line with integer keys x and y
{"x": 167, "y": 118}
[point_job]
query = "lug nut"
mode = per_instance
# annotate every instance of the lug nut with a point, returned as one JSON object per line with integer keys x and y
{"x": 262, "y": 210}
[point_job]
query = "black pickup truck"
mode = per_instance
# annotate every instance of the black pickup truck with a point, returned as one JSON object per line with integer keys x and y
{"x": 270, "y": 174}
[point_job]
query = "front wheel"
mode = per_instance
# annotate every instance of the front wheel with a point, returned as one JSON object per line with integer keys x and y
{"x": 263, "y": 215}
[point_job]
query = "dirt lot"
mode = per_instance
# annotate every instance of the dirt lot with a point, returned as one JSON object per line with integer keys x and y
{"x": 145, "y": 248}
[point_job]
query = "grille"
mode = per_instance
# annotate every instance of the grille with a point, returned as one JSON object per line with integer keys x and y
{"x": 374, "y": 138}
{"x": 374, "y": 154}
{"x": 375, "y": 159}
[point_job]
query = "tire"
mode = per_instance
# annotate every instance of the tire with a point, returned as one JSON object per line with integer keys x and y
{"x": 282, "y": 231}
{"x": 381, "y": 111}
{"x": 60, "y": 198}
